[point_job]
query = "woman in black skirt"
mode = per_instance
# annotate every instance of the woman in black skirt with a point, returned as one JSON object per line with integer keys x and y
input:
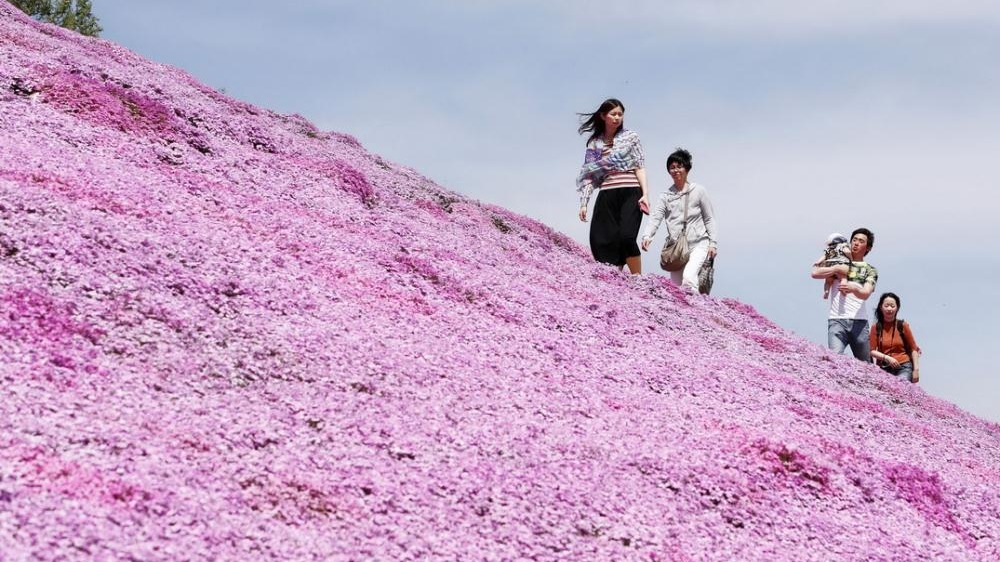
{"x": 614, "y": 164}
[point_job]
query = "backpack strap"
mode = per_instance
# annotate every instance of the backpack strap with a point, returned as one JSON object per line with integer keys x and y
{"x": 906, "y": 344}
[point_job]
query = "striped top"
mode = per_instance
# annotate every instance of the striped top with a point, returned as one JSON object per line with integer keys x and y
{"x": 610, "y": 166}
{"x": 618, "y": 179}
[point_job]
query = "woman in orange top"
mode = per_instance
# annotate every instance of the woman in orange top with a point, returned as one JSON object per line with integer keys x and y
{"x": 892, "y": 343}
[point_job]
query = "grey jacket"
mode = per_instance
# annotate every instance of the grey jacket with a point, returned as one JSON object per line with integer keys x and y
{"x": 700, "y": 216}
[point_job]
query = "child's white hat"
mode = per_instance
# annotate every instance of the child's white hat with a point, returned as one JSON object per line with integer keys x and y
{"x": 836, "y": 238}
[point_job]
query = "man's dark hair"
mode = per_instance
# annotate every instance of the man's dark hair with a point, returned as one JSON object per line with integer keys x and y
{"x": 682, "y": 157}
{"x": 868, "y": 234}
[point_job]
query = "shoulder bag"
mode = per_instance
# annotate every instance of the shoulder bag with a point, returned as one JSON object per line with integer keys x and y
{"x": 675, "y": 253}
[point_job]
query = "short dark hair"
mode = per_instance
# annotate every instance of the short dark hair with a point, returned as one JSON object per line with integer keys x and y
{"x": 680, "y": 156}
{"x": 869, "y": 235}
{"x": 878, "y": 309}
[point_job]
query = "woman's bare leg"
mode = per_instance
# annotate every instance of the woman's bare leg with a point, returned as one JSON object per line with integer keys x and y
{"x": 634, "y": 264}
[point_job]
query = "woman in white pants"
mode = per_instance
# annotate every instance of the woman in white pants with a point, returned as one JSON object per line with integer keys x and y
{"x": 701, "y": 231}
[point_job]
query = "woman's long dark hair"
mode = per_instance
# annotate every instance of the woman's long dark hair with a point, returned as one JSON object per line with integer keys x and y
{"x": 878, "y": 309}
{"x": 592, "y": 122}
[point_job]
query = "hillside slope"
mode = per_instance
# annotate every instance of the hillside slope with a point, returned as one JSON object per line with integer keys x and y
{"x": 227, "y": 335}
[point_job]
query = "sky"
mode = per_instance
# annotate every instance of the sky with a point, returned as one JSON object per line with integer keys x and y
{"x": 804, "y": 118}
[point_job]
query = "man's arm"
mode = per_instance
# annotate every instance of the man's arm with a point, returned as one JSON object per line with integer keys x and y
{"x": 866, "y": 291}
{"x": 820, "y": 272}
{"x": 857, "y": 289}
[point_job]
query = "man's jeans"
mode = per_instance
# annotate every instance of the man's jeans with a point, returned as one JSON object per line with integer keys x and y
{"x": 854, "y": 333}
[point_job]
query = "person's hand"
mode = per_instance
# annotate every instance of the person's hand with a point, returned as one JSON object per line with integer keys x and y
{"x": 583, "y": 214}
{"x": 645, "y": 243}
{"x": 891, "y": 362}
{"x": 644, "y": 205}
{"x": 916, "y": 376}
{"x": 846, "y": 288}
{"x": 712, "y": 252}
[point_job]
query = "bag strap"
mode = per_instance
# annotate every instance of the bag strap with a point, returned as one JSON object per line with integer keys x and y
{"x": 684, "y": 225}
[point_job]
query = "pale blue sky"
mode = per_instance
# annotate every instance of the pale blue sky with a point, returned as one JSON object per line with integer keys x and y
{"x": 803, "y": 117}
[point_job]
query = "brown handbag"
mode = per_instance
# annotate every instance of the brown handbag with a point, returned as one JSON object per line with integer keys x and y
{"x": 675, "y": 253}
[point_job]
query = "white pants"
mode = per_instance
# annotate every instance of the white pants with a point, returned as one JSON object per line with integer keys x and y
{"x": 688, "y": 277}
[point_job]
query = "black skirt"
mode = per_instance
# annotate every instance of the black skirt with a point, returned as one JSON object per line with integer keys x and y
{"x": 615, "y": 225}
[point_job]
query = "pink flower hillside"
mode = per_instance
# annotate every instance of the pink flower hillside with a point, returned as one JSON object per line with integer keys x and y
{"x": 226, "y": 335}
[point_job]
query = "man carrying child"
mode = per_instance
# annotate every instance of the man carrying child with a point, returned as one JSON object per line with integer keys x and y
{"x": 848, "y": 319}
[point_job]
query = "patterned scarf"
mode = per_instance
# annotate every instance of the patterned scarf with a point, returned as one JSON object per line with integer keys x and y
{"x": 626, "y": 154}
